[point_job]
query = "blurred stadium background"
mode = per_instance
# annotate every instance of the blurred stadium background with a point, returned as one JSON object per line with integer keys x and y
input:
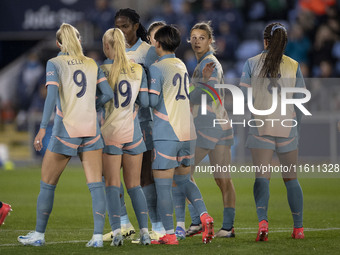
{"x": 27, "y": 41}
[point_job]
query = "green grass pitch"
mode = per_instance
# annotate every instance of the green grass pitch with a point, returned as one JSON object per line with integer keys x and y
{"x": 70, "y": 225}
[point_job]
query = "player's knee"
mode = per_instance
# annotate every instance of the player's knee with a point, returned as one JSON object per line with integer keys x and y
{"x": 181, "y": 179}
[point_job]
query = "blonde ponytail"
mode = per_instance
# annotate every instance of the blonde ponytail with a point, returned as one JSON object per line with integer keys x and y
{"x": 69, "y": 39}
{"x": 114, "y": 37}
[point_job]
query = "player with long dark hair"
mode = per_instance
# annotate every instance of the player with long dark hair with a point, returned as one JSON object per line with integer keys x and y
{"x": 266, "y": 74}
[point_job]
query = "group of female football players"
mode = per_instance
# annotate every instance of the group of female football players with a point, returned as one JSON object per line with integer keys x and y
{"x": 155, "y": 129}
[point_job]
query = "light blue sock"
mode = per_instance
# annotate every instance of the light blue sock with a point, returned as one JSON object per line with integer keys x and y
{"x": 124, "y": 218}
{"x": 98, "y": 206}
{"x": 179, "y": 203}
{"x": 113, "y": 208}
{"x": 158, "y": 226}
{"x": 261, "y": 195}
{"x": 191, "y": 191}
{"x": 295, "y": 200}
{"x": 164, "y": 202}
{"x": 44, "y": 205}
{"x": 139, "y": 206}
{"x": 151, "y": 200}
{"x": 107, "y": 208}
{"x": 195, "y": 217}
{"x": 228, "y": 218}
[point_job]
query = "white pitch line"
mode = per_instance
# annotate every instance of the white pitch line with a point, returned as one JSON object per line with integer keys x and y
{"x": 251, "y": 232}
{"x": 50, "y": 230}
{"x": 60, "y": 242}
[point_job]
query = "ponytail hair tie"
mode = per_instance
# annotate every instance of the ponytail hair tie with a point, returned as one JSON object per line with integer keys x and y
{"x": 276, "y": 27}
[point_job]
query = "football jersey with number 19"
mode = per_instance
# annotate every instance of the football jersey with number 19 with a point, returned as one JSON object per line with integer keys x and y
{"x": 120, "y": 112}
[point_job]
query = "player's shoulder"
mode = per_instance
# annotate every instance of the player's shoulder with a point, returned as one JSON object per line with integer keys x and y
{"x": 90, "y": 61}
{"x": 158, "y": 69}
{"x": 54, "y": 63}
{"x": 255, "y": 58}
{"x": 289, "y": 60}
{"x": 134, "y": 64}
{"x": 157, "y": 66}
{"x": 136, "y": 67}
{"x": 169, "y": 63}
{"x": 144, "y": 48}
{"x": 208, "y": 59}
{"x": 253, "y": 62}
{"x": 145, "y": 45}
{"x": 179, "y": 62}
{"x": 54, "y": 60}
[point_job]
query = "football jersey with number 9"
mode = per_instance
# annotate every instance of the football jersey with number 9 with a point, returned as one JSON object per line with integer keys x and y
{"x": 77, "y": 82}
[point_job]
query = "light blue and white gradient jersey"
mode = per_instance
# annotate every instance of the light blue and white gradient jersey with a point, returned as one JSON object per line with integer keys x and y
{"x": 215, "y": 107}
{"x": 145, "y": 54}
{"x": 121, "y": 124}
{"x": 77, "y": 80}
{"x": 172, "y": 117}
{"x": 289, "y": 76}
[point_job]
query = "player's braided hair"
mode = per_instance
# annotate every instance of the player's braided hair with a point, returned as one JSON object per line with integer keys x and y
{"x": 134, "y": 17}
{"x": 276, "y": 36}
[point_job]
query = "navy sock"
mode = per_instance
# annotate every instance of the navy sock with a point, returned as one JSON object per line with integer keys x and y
{"x": 98, "y": 206}
{"x": 261, "y": 195}
{"x": 295, "y": 200}
{"x": 164, "y": 202}
{"x": 113, "y": 206}
{"x": 44, "y": 205}
{"x": 139, "y": 205}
